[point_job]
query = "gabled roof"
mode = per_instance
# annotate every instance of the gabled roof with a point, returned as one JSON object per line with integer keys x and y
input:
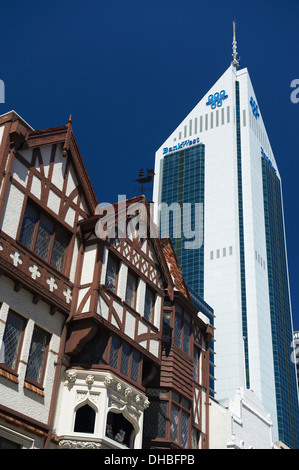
{"x": 120, "y": 214}
{"x": 174, "y": 268}
{"x": 65, "y": 135}
{"x": 55, "y": 135}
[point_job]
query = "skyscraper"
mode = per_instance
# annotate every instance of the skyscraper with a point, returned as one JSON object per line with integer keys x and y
{"x": 219, "y": 159}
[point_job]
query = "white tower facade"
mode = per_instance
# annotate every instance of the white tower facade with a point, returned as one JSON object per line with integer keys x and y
{"x": 239, "y": 277}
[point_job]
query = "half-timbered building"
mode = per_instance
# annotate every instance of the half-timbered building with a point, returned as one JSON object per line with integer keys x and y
{"x": 101, "y": 346}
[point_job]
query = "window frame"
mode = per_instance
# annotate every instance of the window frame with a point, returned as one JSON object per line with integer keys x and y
{"x": 4, "y": 366}
{"x": 171, "y": 400}
{"x": 56, "y": 228}
{"x": 136, "y": 279}
{"x": 185, "y": 319}
{"x": 111, "y": 256}
{"x": 179, "y": 405}
{"x": 152, "y": 315}
{"x": 118, "y": 368}
{"x": 28, "y": 379}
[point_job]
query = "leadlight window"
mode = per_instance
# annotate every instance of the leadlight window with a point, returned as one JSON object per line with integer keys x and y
{"x": 37, "y": 355}
{"x": 155, "y": 420}
{"x": 125, "y": 358}
{"x": 44, "y": 237}
{"x": 149, "y": 304}
{"x": 131, "y": 290}
{"x": 182, "y": 330}
{"x": 112, "y": 272}
{"x": 168, "y": 417}
{"x": 109, "y": 350}
{"x": 166, "y": 327}
{"x": 12, "y": 340}
{"x": 180, "y": 420}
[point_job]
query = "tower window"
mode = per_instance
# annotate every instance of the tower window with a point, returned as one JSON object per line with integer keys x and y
{"x": 119, "y": 429}
{"x": 85, "y": 419}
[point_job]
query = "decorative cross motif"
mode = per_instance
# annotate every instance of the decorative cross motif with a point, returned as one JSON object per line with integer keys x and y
{"x": 34, "y": 271}
{"x": 52, "y": 283}
{"x": 16, "y": 258}
{"x": 68, "y": 295}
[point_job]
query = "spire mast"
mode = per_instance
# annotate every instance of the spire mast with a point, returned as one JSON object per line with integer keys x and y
{"x": 235, "y": 61}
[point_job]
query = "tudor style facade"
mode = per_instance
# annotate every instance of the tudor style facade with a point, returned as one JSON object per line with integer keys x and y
{"x": 101, "y": 346}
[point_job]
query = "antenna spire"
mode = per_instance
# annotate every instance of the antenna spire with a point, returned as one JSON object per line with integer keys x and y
{"x": 235, "y": 61}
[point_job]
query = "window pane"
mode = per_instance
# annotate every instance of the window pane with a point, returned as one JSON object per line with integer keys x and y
{"x": 115, "y": 345}
{"x": 11, "y": 340}
{"x": 149, "y": 304}
{"x": 28, "y": 225}
{"x": 125, "y": 356}
{"x": 131, "y": 289}
{"x": 186, "y": 338}
{"x": 184, "y": 429}
{"x": 85, "y": 419}
{"x": 60, "y": 244}
{"x": 177, "y": 330}
{"x": 155, "y": 420}
{"x": 166, "y": 328}
{"x": 174, "y": 424}
{"x": 135, "y": 366}
{"x": 44, "y": 233}
{"x": 111, "y": 274}
{"x": 37, "y": 352}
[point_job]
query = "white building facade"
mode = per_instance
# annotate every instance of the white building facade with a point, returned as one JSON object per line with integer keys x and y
{"x": 243, "y": 424}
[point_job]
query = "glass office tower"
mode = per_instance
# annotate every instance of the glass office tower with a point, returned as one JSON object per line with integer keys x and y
{"x": 220, "y": 156}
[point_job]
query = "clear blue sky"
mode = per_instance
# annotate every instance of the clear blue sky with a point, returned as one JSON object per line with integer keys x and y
{"x": 130, "y": 71}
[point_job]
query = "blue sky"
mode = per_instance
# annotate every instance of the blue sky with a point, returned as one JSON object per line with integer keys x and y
{"x": 130, "y": 71}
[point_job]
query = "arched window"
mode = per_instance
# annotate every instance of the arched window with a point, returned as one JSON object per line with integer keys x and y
{"x": 85, "y": 419}
{"x": 119, "y": 429}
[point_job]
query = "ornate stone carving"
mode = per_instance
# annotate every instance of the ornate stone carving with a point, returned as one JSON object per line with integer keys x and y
{"x": 71, "y": 376}
{"x": 89, "y": 379}
{"x": 108, "y": 380}
{"x": 71, "y": 444}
